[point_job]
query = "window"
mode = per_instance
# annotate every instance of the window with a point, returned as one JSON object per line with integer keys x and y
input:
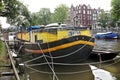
{"x": 83, "y": 11}
{"x": 88, "y": 12}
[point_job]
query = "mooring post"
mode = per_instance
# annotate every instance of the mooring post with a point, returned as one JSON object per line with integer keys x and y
{"x": 100, "y": 59}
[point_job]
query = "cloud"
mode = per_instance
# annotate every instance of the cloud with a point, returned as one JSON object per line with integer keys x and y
{"x": 35, "y": 5}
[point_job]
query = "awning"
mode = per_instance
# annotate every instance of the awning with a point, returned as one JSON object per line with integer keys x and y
{"x": 33, "y": 27}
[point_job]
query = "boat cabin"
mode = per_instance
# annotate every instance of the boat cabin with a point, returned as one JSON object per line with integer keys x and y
{"x": 52, "y": 33}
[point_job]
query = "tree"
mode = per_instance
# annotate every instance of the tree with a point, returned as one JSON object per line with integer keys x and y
{"x": 1, "y": 5}
{"x": 42, "y": 17}
{"x": 115, "y": 11}
{"x": 15, "y": 12}
{"x": 103, "y": 19}
{"x": 24, "y": 15}
{"x": 45, "y": 16}
{"x": 35, "y": 19}
{"x": 11, "y": 8}
{"x": 60, "y": 13}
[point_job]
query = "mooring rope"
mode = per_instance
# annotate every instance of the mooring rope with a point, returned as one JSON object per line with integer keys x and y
{"x": 58, "y": 56}
{"x": 52, "y": 67}
{"x": 102, "y": 67}
{"x": 71, "y": 52}
{"x": 55, "y": 76}
{"x": 33, "y": 59}
{"x": 51, "y": 59}
{"x": 57, "y": 72}
{"x": 70, "y": 64}
{"x": 29, "y": 66}
{"x": 20, "y": 49}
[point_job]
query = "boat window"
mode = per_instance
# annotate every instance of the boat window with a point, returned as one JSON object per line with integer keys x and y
{"x": 35, "y": 38}
{"x": 69, "y": 33}
{"x": 73, "y": 33}
{"x": 39, "y": 41}
{"x": 52, "y": 31}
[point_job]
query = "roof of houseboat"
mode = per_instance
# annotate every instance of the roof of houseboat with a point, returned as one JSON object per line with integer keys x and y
{"x": 56, "y": 25}
{"x": 33, "y": 27}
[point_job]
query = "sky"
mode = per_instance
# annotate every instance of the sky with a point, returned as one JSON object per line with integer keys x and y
{"x": 35, "y": 5}
{"x": 3, "y": 22}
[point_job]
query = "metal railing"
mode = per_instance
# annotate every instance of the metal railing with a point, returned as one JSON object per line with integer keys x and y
{"x": 12, "y": 62}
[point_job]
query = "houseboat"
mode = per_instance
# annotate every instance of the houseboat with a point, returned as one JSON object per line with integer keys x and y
{"x": 57, "y": 43}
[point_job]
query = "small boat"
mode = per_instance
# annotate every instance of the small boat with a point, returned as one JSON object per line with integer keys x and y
{"x": 103, "y": 54}
{"x": 106, "y": 35}
{"x": 100, "y": 74}
{"x": 56, "y": 43}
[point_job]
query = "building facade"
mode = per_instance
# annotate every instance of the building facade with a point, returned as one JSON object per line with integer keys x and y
{"x": 83, "y": 15}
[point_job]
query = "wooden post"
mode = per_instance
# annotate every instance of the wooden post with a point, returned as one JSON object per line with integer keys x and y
{"x": 100, "y": 59}
{"x": 21, "y": 31}
{"x": 31, "y": 36}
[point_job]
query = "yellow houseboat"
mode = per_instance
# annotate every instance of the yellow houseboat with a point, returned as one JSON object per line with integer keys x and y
{"x": 56, "y": 43}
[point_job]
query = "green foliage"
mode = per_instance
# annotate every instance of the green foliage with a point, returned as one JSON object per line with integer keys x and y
{"x": 103, "y": 19}
{"x": 1, "y": 46}
{"x": 10, "y": 8}
{"x": 115, "y": 11}
{"x": 2, "y": 50}
{"x": 1, "y": 6}
{"x": 61, "y": 13}
{"x": 45, "y": 16}
{"x": 15, "y": 11}
{"x": 35, "y": 20}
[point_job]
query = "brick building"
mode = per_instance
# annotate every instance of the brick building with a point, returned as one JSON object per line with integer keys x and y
{"x": 83, "y": 15}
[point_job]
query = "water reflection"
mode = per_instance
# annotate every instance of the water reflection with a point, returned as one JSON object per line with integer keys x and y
{"x": 79, "y": 72}
{"x": 104, "y": 44}
{"x": 63, "y": 73}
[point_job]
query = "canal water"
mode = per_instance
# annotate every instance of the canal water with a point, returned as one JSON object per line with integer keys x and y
{"x": 80, "y": 71}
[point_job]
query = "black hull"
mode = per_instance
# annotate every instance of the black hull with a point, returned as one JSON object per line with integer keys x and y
{"x": 103, "y": 55}
{"x": 72, "y": 54}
